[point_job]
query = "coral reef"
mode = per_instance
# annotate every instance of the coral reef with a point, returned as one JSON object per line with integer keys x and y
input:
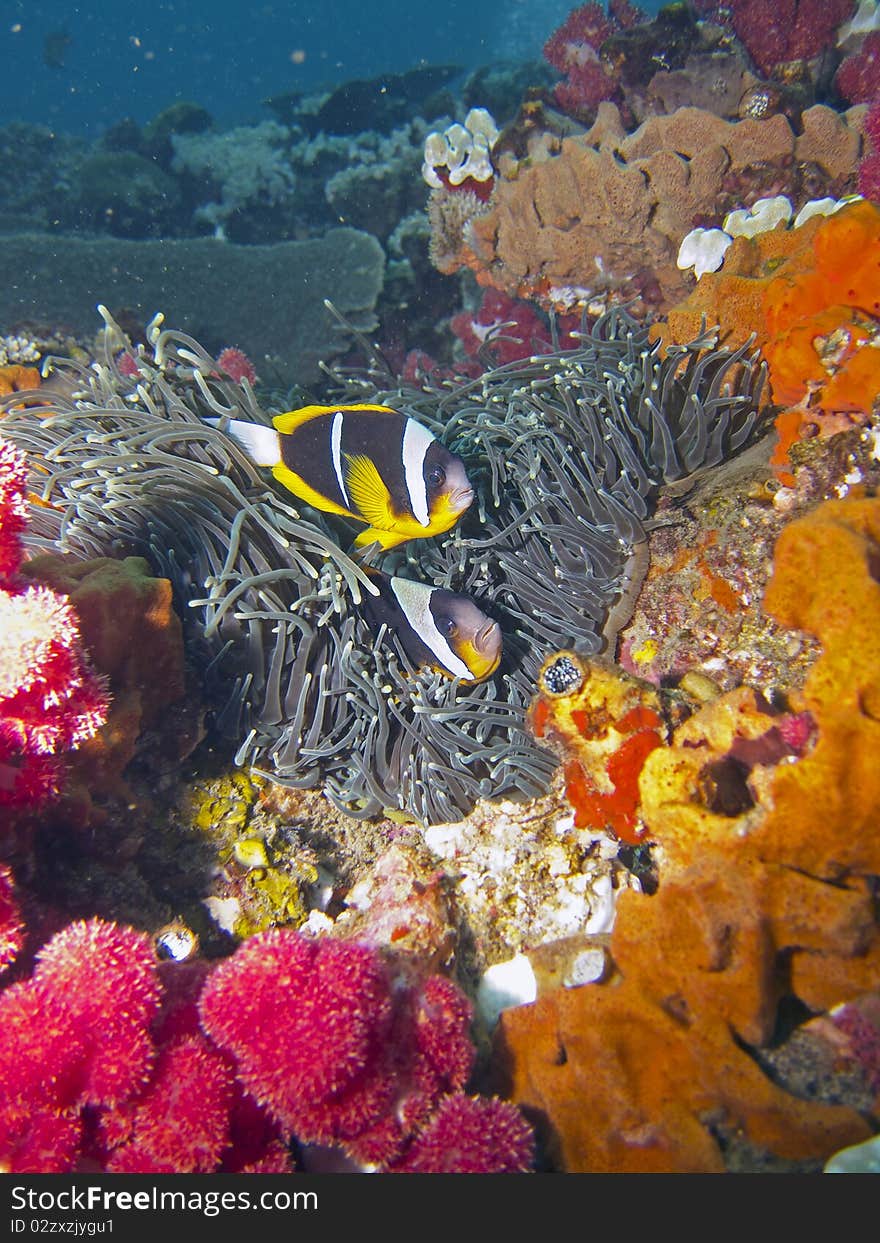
{"x": 604, "y": 218}
{"x": 135, "y": 642}
{"x": 606, "y": 726}
{"x": 215, "y": 289}
{"x": 543, "y": 508}
{"x": 869, "y": 168}
{"x": 573, "y": 50}
{"x": 14, "y": 378}
{"x": 858, "y": 78}
{"x": 810, "y": 296}
{"x": 235, "y": 170}
{"x": 762, "y": 899}
{"x": 459, "y": 158}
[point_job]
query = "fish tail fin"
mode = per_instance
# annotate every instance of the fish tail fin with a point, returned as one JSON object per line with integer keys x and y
{"x": 259, "y": 442}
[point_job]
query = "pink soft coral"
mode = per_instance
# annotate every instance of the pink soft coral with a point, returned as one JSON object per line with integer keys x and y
{"x": 471, "y": 1135}
{"x": 788, "y": 30}
{"x": 573, "y": 49}
{"x": 858, "y": 78}
{"x": 50, "y": 702}
{"x": 330, "y": 1047}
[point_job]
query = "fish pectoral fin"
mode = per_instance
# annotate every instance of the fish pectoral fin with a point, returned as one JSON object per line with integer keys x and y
{"x": 368, "y": 492}
{"x": 385, "y": 539}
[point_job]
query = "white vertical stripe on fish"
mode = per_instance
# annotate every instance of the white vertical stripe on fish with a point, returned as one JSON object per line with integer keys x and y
{"x": 336, "y": 451}
{"x": 416, "y": 442}
{"x": 415, "y": 603}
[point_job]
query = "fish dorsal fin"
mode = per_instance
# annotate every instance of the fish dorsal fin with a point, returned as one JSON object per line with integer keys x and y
{"x": 292, "y": 419}
{"x": 368, "y": 492}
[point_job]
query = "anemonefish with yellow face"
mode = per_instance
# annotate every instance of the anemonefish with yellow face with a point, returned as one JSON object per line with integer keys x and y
{"x": 435, "y": 627}
{"x": 363, "y": 462}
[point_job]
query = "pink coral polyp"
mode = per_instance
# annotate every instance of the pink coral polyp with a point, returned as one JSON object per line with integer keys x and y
{"x": 472, "y": 1135}
{"x": 304, "y": 1019}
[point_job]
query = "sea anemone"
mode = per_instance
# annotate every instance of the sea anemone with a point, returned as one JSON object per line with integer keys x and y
{"x": 566, "y": 450}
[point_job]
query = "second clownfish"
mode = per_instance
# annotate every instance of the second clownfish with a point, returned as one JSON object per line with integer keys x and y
{"x": 435, "y": 627}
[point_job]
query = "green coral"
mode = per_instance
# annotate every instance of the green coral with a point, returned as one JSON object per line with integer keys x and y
{"x": 267, "y": 876}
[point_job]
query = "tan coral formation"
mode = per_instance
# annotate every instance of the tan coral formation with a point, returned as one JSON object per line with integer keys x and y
{"x": 135, "y": 639}
{"x": 648, "y": 1071}
{"x": 607, "y": 215}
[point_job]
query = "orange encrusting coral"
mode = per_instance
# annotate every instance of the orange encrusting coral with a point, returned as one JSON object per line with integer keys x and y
{"x": 608, "y": 727}
{"x": 771, "y": 901}
{"x": 811, "y": 297}
{"x": 17, "y": 379}
{"x": 823, "y": 320}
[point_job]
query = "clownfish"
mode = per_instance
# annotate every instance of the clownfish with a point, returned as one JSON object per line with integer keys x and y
{"x": 364, "y": 462}
{"x": 435, "y": 627}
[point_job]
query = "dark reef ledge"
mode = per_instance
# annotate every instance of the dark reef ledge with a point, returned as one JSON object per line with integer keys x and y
{"x": 267, "y": 300}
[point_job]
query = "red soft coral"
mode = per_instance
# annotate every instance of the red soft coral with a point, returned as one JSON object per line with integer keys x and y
{"x": 869, "y": 168}
{"x": 573, "y": 49}
{"x": 49, "y": 701}
{"x": 858, "y": 78}
{"x": 11, "y": 924}
{"x": 236, "y": 364}
{"x": 180, "y": 1123}
{"x": 13, "y": 507}
{"x": 471, "y": 1135}
{"x": 789, "y": 30}
{"x": 578, "y": 38}
{"x": 306, "y": 1022}
{"x": 105, "y": 975}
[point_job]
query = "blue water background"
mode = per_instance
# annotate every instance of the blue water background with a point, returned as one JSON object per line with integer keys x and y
{"x": 134, "y": 60}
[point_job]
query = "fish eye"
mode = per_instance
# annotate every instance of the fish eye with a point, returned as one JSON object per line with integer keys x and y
{"x": 447, "y": 627}
{"x": 436, "y": 476}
